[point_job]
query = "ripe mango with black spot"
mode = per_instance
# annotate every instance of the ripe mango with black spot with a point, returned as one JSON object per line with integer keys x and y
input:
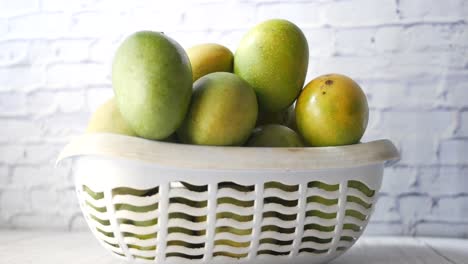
{"x": 152, "y": 81}
{"x": 273, "y": 58}
{"x": 223, "y": 111}
{"x": 208, "y": 58}
{"x": 274, "y": 136}
{"x": 332, "y": 110}
{"x": 107, "y": 119}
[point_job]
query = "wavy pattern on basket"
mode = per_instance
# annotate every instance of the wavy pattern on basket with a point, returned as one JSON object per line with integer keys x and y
{"x": 320, "y": 219}
{"x": 359, "y": 201}
{"x": 234, "y": 220}
{"x": 136, "y": 213}
{"x": 95, "y": 211}
{"x": 187, "y": 216}
{"x": 278, "y": 226}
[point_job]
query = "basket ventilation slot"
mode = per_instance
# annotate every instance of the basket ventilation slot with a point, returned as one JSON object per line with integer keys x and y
{"x": 137, "y": 214}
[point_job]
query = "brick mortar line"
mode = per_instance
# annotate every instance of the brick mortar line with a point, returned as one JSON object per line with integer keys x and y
{"x": 325, "y": 25}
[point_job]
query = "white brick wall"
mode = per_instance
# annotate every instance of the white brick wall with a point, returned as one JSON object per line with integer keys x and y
{"x": 410, "y": 57}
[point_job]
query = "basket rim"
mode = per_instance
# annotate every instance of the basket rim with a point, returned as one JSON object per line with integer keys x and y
{"x": 176, "y": 155}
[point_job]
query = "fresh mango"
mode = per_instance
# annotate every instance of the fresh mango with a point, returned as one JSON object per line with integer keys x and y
{"x": 107, "y": 119}
{"x": 273, "y": 58}
{"x": 332, "y": 110}
{"x": 274, "y": 136}
{"x": 208, "y": 58}
{"x": 152, "y": 81}
{"x": 223, "y": 111}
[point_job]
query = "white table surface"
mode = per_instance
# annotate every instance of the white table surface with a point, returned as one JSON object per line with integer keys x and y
{"x": 24, "y": 247}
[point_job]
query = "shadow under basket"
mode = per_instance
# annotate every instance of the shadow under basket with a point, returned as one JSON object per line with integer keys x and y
{"x": 156, "y": 202}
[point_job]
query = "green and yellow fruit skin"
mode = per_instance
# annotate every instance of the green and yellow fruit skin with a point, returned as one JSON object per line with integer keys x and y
{"x": 274, "y": 136}
{"x": 152, "y": 81}
{"x": 107, "y": 119}
{"x": 208, "y": 58}
{"x": 273, "y": 58}
{"x": 223, "y": 111}
{"x": 332, "y": 110}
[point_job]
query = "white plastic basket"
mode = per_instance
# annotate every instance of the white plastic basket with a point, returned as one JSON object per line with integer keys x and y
{"x": 156, "y": 202}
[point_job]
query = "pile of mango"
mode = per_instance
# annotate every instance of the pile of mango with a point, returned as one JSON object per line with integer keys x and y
{"x": 209, "y": 96}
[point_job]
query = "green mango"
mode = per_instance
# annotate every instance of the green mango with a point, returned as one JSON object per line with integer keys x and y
{"x": 209, "y": 57}
{"x": 107, "y": 119}
{"x": 152, "y": 81}
{"x": 274, "y": 136}
{"x": 223, "y": 111}
{"x": 273, "y": 58}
